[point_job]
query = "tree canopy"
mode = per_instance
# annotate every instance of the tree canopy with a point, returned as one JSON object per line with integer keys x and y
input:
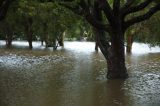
{"x": 109, "y": 19}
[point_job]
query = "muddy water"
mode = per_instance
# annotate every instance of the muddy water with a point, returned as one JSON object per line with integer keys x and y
{"x": 75, "y": 76}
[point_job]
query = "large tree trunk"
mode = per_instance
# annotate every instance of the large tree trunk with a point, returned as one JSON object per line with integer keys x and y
{"x": 117, "y": 24}
{"x": 116, "y": 57}
{"x": 114, "y": 54}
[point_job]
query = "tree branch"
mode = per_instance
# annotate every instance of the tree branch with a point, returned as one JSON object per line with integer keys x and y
{"x": 104, "y": 5}
{"x": 116, "y": 6}
{"x": 139, "y": 7}
{"x": 127, "y": 4}
{"x": 142, "y": 17}
{"x": 103, "y": 43}
{"x": 85, "y": 12}
{"x": 75, "y": 9}
{"x": 95, "y": 23}
{"x": 83, "y": 4}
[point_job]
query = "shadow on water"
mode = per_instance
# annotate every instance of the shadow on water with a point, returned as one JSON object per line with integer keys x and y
{"x": 75, "y": 77}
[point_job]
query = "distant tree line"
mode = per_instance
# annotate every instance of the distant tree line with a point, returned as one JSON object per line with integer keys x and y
{"x": 45, "y": 21}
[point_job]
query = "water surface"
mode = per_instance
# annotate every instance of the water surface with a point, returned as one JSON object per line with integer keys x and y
{"x": 75, "y": 76}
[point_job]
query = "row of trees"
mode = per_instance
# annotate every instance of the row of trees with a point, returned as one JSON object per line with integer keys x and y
{"x": 47, "y": 25}
{"x": 45, "y": 21}
{"x": 111, "y": 21}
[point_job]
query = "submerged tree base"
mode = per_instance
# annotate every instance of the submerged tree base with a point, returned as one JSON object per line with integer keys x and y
{"x": 117, "y": 75}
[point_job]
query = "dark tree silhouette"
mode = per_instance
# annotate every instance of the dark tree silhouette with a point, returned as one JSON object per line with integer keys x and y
{"x": 96, "y": 12}
{"x": 4, "y": 6}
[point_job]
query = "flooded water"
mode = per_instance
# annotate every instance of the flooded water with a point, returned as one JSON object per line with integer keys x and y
{"x": 75, "y": 76}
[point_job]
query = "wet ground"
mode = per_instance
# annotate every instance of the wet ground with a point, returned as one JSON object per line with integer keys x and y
{"x": 75, "y": 76}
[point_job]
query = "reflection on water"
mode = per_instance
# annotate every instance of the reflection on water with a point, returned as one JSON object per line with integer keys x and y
{"x": 75, "y": 76}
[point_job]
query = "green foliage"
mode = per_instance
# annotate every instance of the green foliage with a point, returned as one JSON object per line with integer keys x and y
{"x": 27, "y": 8}
{"x": 9, "y": 24}
{"x": 151, "y": 31}
{"x": 56, "y": 18}
{"x": 157, "y": 1}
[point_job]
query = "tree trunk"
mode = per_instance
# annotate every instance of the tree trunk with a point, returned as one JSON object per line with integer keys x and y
{"x": 54, "y": 44}
{"x": 9, "y": 37}
{"x": 116, "y": 58}
{"x": 45, "y": 36}
{"x": 8, "y": 40}
{"x": 29, "y": 36}
{"x": 30, "y": 40}
{"x": 9, "y": 43}
{"x": 114, "y": 52}
{"x": 114, "y": 55}
{"x": 41, "y": 42}
{"x": 61, "y": 40}
{"x": 96, "y": 43}
{"x": 29, "y": 31}
{"x": 30, "y": 45}
{"x": 129, "y": 43}
{"x": 96, "y": 46}
{"x": 42, "y": 39}
{"x": 46, "y": 40}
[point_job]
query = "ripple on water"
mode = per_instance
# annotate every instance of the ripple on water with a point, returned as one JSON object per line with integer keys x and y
{"x": 144, "y": 84}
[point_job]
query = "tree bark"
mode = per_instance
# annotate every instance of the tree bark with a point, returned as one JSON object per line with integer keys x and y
{"x": 9, "y": 37}
{"x": 54, "y": 44}
{"x": 46, "y": 40}
{"x": 114, "y": 54}
{"x": 29, "y": 32}
{"x": 116, "y": 27}
{"x": 41, "y": 42}
{"x": 113, "y": 51}
{"x": 29, "y": 36}
{"x": 129, "y": 43}
{"x": 61, "y": 40}
{"x": 96, "y": 46}
{"x": 8, "y": 41}
{"x": 116, "y": 58}
{"x": 45, "y": 34}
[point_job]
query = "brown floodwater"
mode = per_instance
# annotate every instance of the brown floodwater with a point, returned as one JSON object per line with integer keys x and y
{"x": 75, "y": 76}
